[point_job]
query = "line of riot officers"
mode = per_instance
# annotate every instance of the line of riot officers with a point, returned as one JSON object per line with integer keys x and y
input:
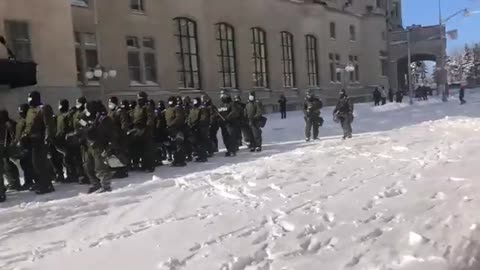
{"x": 91, "y": 143}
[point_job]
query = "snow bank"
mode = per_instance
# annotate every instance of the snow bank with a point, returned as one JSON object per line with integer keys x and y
{"x": 401, "y": 195}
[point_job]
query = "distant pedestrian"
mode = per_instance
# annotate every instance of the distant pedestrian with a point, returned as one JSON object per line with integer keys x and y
{"x": 377, "y": 96}
{"x": 399, "y": 96}
{"x": 390, "y": 95}
{"x": 462, "y": 95}
{"x": 384, "y": 96}
{"x": 282, "y": 102}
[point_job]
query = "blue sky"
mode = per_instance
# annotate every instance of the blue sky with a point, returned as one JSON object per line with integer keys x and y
{"x": 425, "y": 12}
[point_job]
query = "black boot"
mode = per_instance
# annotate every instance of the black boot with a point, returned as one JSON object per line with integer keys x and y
{"x": 45, "y": 189}
{"x": 258, "y": 149}
{"x": 94, "y": 189}
{"x": 3, "y": 197}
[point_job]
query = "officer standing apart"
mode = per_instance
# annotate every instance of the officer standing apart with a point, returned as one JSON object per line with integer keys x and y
{"x": 311, "y": 111}
{"x": 39, "y": 131}
{"x": 230, "y": 115}
{"x": 254, "y": 113}
{"x": 344, "y": 113}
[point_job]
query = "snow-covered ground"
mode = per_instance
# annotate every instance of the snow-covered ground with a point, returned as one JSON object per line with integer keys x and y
{"x": 402, "y": 194}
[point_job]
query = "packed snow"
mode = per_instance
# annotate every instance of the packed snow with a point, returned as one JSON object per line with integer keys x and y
{"x": 402, "y": 194}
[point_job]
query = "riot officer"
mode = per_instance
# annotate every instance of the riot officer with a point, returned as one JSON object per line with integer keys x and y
{"x": 246, "y": 132}
{"x": 64, "y": 127}
{"x": 78, "y": 144}
{"x": 214, "y": 124}
{"x": 25, "y": 148}
{"x": 121, "y": 122}
{"x": 198, "y": 121}
{"x": 142, "y": 133}
{"x": 230, "y": 115}
{"x": 98, "y": 130}
{"x": 39, "y": 131}
{"x": 254, "y": 113}
{"x": 311, "y": 111}
{"x": 175, "y": 120}
{"x": 344, "y": 113}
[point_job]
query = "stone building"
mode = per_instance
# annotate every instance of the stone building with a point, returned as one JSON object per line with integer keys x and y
{"x": 188, "y": 47}
{"x": 40, "y": 31}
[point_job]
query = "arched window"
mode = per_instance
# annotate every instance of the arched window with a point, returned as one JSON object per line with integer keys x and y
{"x": 288, "y": 60}
{"x": 259, "y": 58}
{"x": 188, "y": 72}
{"x": 312, "y": 60}
{"x": 225, "y": 35}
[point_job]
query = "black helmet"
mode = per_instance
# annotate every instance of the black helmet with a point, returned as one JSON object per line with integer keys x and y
{"x": 64, "y": 105}
{"x": 34, "y": 99}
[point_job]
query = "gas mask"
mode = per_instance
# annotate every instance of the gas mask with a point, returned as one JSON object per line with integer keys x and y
{"x": 251, "y": 98}
{"x": 87, "y": 113}
{"x": 112, "y": 105}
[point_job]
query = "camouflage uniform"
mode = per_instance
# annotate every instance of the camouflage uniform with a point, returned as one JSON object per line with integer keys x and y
{"x": 230, "y": 114}
{"x": 39, "y": 130}
{"x": 344, "y": 113}
{"x": 254, "y": 114}
{"x": 311, "y": 111}
{"x": 175, "y": 120}
{"x": 198, "y": 121}
{"x": 142, "y": 134}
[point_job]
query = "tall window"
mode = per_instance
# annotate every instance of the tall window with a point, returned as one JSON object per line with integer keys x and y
{"x": 383, "y": 63}
{"x": 312, "y": 60}
{"x": 149, "y": 60}
{"x": 380, "y": 4}
{"x": 288, "y": 60}
{"x": 86, "y": 55}
{"x": 355, "y": 75}
{"x": 188, "y": 72}
{"x": 259, "y": 58}
{"x": 137, "y": 5}
{"x": 333, "y": 30}
{"x": 357, "y": 68}
{"x": 337, "y": 64}
{"x": 134, "y": 67}
{"x": 18, "y": 38}
{"x": 80, "y": 3}
{"x": 352, "y": 75}
{"x": 353, "y": 34}
{"x": 142, "y": 67}
{"x": 226, "y": 55}
{"x": 334, "y": 63}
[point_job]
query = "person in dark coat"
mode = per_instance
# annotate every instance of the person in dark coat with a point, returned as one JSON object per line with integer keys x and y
{"x": 390, "y": 95}
{"x": 461, "y": 95}
{"x": 399, "y": 96}
{"x": 39, "y": 130}
{"x": 142, "y": 134}
{"x": 198, "y": 121}
{"x": 377, "y": 97}
{"x": 175, "y": 121}
{"x": 311, "y": 112}
{"x": 230, "y": 113}
{"x": 254, "y": 114}
{"x": 282, "y": 103}
{"x": 26, "y": 158}
{"x": 214, "y": 125}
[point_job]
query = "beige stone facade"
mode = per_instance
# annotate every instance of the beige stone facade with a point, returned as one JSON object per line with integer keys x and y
{"x": 47, "y": 39}
{"x": 114, "y": 20}
{"x": 90, "y": 33}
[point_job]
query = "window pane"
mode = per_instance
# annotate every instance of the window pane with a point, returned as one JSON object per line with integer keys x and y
{"x": 150, "y": 67}
{"x": 91, "y": 58}
{"x": 134, "y": 66}
{"x": 89, "y": 39}
{"x": 79, "y": 64}
{"x": 76, "y": 35}
{"x": 132, "y": 42}
{"x": 17, "y": 34}
{"x": 136, "y": 5}
{"x": 148, "y": 42}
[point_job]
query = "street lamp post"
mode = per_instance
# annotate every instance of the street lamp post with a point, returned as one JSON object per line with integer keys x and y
{"x": 443, "y": 73}
{"x": 345, "y": 69}
{"x": 101, "y": 74}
